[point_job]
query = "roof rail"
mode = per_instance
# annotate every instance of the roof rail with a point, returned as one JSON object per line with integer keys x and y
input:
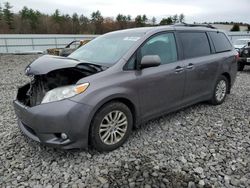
{"x": 195, "y": 25}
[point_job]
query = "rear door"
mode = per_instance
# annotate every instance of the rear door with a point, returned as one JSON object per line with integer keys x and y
{"x": 200, "y": 67}
{"x": 160, "y": 88}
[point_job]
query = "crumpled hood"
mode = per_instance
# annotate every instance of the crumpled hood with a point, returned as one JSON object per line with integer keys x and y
{"x": 48, "y": 63}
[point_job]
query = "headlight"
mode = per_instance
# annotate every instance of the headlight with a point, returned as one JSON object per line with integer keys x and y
{"x": 245, "y": 51}
{"x": 64, "y": 92}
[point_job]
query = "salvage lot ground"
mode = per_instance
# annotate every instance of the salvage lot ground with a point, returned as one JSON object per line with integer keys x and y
{"x": 201, "y": 145}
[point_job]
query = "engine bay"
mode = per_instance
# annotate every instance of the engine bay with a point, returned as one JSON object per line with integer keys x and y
{"x": 33, "y": 93}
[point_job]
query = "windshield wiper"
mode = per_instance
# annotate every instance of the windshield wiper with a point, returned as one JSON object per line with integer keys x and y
{"x": 98, "y": 67}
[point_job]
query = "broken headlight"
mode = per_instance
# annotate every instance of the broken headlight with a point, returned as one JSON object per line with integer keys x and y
{"x": 64, "y": 92}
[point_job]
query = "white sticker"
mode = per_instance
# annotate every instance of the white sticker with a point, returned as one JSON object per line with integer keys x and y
{"x": 132, "y": 38}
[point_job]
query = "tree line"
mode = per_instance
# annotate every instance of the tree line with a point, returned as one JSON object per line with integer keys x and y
{"x": 29, "y": 21}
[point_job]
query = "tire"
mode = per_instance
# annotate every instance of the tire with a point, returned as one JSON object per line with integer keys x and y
{"x": 240, "y": 66}
{"x": 220, "y": 90}
{"x": 112, "y": 118}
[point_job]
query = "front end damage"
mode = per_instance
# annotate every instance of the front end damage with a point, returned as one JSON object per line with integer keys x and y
{"x": 51, "y": 123}
{"x": 69, "y": 72}
{"x": 33, "y": 93}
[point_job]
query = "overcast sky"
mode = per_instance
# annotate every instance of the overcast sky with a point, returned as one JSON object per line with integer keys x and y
{"x": 194, "y": 10}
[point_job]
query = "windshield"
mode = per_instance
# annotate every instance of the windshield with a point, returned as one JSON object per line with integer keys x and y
{"x": 241, "y": 42}
{"x": 106, "y": 49}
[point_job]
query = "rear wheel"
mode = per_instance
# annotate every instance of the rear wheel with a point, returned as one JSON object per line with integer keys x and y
{"x": 111, "y": 126}
{"x": 220, "y": 90}
{"x": 240, "y": 66}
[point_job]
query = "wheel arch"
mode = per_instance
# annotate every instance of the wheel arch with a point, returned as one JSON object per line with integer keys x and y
{"x": 128, "y": 102}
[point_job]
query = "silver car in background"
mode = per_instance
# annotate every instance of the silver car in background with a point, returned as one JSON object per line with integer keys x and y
{"x": 243, "y": 48}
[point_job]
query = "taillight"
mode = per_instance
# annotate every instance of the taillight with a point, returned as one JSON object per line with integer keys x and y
{"x": 237, "y": 57}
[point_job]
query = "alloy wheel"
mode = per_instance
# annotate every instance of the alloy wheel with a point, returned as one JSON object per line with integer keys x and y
{"x": 113, "y": 127}
{"x": 221, "y": 90}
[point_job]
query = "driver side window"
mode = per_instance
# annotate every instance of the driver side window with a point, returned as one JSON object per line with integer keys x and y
{"x": 162, "y": 45}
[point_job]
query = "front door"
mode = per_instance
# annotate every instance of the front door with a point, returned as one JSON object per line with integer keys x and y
{"x": 161, "y": 88}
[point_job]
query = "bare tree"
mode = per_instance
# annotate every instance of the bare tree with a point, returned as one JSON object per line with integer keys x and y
{"x": 181, "y": 18}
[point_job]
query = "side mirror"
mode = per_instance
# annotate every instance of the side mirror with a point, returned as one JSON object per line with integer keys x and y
{"x": 150, "y": 61}
{"x": 248, "y": 44}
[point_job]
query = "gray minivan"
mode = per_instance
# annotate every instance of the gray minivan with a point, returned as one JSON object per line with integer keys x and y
{"x": 120, "y": 80}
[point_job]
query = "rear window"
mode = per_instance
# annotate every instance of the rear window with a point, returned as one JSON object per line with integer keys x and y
{"x": 195, "y": 44}
{"x": 221, "y": 42}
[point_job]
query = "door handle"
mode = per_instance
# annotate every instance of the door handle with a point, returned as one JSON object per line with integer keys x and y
{"x": 190, "y": 66}
{"x": 179, "y": 69}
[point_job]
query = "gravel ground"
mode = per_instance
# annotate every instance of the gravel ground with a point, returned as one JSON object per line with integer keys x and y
{"x": 200, "y": 146}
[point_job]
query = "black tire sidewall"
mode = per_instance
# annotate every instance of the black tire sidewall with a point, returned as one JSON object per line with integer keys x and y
{"x": 240, "y": 66}
{"x": 96, "y": 141}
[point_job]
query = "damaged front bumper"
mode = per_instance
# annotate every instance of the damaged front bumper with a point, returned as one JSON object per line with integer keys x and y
{"x": 45, "y": 123}
{"x": 63, "y": 123}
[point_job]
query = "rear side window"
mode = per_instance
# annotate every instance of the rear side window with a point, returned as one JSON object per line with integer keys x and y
{"x": 195, "y": 44}
{"x": 221, "y": 42}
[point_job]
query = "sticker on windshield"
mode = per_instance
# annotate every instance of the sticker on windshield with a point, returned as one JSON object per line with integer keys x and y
{"x": 132, "y": 38}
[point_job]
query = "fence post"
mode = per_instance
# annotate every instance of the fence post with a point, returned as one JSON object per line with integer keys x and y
{"x": 56, "y": 42}
{"x": 6, "y": 46}
{"x": 32, "y": 42}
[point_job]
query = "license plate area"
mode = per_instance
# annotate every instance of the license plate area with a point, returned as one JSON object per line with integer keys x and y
{"x": 248, "y": 60}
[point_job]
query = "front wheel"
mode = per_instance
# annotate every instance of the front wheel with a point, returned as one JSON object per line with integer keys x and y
{"x": 111, "y": 126}
{"x": 220, "y": 91}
